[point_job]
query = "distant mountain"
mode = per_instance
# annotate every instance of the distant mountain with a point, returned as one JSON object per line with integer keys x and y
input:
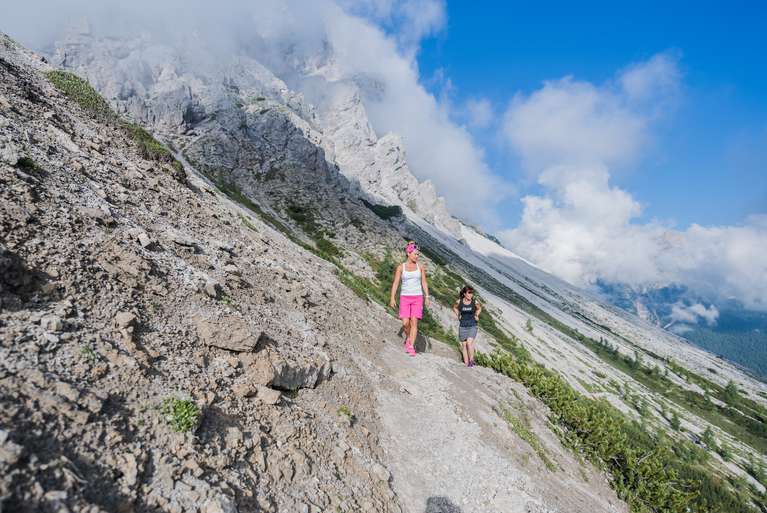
{"x": 732, "y": 331}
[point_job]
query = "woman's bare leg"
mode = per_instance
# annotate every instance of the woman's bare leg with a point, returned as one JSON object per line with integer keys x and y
{"x": 406, "y": 326}
{"x": 470, "y": 348}
{"x": 465, "y": 353}
{"x": 413, "y": 329}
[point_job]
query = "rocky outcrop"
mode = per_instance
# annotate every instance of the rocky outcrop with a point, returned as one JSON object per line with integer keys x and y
{"x": 239, "y": 115}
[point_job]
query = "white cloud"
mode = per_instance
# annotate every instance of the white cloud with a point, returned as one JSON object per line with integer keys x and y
{"x": 692, "y": 313}
{"x": 656, "y": 80}
{"x": 583, "y": 229}
{"x": 413, "y": 19}
{"x": 479, "y": 112}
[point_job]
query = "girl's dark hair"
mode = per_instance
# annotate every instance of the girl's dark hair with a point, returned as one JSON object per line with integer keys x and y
{"x": 464, "y": 290}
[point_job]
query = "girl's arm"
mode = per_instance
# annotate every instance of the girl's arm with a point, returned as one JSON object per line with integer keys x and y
{"x": 455, "y": 309}
{"x": 394, "y": 284}
{"x": 424, "y": 285}
{"x": 479, "y": 309}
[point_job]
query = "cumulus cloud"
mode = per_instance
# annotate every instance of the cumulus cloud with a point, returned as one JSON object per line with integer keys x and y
{"x": 370, "y": 42}
{"x": 414, "y": 19}
{"x": 569, "y": 134}
{"x": 691, "y": 314}
{"x": 479, "y": 112}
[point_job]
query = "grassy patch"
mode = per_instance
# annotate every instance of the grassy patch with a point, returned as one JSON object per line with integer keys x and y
{"x": 88, "y": 353}
{"x": 149, "y": 147}
{"x": 522, "y": 429}
{"x": 82, "y": 93}
{"x": 181, "y": 414}
{"x": 346, "y": 413}
{"x": 91, "y": 101}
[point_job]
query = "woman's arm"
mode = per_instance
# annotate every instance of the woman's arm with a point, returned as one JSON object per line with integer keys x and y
{"x": 455, "y": 309}
{"x": 424, "y": 285}
{"x": 394, "y": 285}
{"x": 479, "y": 309}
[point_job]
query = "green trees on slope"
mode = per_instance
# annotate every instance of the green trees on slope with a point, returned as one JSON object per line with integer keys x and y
{"x": 649, "y": 472}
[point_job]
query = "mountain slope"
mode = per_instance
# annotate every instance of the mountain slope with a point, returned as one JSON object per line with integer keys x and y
{"x": 269, "y": 238}
{"x": 125, "y": 312}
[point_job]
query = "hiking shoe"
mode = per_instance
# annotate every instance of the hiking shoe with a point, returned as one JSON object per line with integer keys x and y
{"x": 409, "y": 349}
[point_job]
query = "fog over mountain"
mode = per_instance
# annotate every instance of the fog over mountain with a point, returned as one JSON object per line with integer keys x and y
{"x": 299, "y": 39}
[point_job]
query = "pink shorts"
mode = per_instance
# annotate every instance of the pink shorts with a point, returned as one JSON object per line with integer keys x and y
{"x": 410, "y": 306}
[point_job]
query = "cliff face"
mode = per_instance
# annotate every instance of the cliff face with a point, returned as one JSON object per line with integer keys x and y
{"x": 160, "y": 87}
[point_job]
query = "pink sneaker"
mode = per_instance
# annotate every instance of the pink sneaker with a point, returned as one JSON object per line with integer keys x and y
{"x": 409, "y": 349}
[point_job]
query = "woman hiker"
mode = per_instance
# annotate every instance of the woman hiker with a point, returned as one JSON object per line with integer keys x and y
{"x": 411, "y": 296}
{"x": 467, "y": 310}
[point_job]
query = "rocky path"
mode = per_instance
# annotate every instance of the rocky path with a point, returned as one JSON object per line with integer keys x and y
{"x": 449, "y": 450}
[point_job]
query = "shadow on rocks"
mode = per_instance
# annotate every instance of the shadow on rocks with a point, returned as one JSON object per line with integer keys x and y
{"x": 441, "y": 505}
{"x": 19, "y": 283}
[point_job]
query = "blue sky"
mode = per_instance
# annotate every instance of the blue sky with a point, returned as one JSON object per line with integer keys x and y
{"x": 706, "y": 162}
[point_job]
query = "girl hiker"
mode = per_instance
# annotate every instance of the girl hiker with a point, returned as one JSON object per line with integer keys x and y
{"x": 412, "y": 293}
{"x": 467, "y": 310}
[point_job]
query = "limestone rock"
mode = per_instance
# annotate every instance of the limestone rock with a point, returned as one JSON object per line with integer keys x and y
{"x": 267, "y": 395}
{"x": 9, "y": 452}
{"x": 125, "y": 319}
{"x": 229, "y": 332}
{"x": 295, "y": 375}
{"x": 52, "y": 323}
{"x": 102, "y": 217}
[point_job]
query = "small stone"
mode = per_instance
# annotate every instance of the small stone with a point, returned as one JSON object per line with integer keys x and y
{"x": 125, "y": 319}
{"x": 232, "y": 269}
{"x": 10, "y": 452}
{"x": 267, "y": 395}
{"x": 220, "y": 504}
{"x": 231, "y": 333}
{"x": 51, "y": 338}
{"x": 56, "y": 496}
{"x": 144, "y": 240}
{"x": 233, "y": 438}
{"x": 52, "y": 323}
{"x": 101, "y": 217}
{"x": 66, "y": 390}
{"x": 380, "y": 472}
{"x": 212, "y": 289}
{"x": 129, "y": 468}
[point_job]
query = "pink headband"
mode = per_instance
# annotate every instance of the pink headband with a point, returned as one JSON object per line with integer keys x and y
{"x": 410, "y": 248}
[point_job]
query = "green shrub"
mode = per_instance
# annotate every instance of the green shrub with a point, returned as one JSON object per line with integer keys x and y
{"x": 344, "y": 411}
{"x": 27, "y": 165}
{"x": 182, "y": 414}
{"x": 650, "y": 472}
{"x": 149, "y": 147}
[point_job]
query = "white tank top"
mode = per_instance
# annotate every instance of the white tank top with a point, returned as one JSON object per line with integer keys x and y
{"x": 411, "y": 281}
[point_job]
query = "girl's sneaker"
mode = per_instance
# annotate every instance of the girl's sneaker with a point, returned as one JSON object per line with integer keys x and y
{"x": 471, "y": 363}
{"x": 409, "y": 349}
